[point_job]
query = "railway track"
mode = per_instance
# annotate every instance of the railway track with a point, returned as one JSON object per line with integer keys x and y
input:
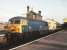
{"x": 17, "y": 43}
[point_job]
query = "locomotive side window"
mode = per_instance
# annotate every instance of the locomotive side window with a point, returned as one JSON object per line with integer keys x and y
{"x": 44, "y": 23}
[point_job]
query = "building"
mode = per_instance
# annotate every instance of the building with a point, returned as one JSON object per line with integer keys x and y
{"x": 2, "y": 26}
{"x": 33, "y": 15}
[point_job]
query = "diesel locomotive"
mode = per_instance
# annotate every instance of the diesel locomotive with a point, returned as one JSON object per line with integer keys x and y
{"x": 20, "y": 24}
{"x": 21, "y": 28}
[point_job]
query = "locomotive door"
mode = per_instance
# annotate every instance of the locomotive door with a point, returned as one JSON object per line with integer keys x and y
{"x": 24, "y": 28}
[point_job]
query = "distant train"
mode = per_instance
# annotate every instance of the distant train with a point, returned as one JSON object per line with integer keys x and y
{"x": 64, "y": 25}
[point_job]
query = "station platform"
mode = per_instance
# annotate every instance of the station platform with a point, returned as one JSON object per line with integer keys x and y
{"x": 56, "y": 41}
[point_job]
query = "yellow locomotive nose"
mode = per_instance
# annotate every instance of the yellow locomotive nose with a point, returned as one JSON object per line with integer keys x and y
{"x": 13, "y": 28}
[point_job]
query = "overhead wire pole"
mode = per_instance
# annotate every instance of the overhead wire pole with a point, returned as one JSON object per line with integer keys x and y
{"x": 26, "y": 4}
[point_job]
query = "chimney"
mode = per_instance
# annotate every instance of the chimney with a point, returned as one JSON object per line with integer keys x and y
{"x": 39, "y": 12}
{"x": 27, "y": 9}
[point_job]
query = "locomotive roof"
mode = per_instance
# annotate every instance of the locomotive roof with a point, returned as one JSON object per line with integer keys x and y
{"x": 17, "y": 18}
{"x": 20, "y": 17}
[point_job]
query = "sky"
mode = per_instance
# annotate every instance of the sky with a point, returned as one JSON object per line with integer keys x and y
{"x": 52, "y": 9}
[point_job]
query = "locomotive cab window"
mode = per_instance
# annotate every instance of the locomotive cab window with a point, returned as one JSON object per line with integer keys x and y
{"x": 16, "y": 21}
{"x": 11, "y": 22}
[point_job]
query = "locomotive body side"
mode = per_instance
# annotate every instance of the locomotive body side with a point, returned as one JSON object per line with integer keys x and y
{"x": 33, "y": 25}
{"x": 38, "y": 26}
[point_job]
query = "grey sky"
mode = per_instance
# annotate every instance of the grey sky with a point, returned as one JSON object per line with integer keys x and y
{"x": 56, "y": 9}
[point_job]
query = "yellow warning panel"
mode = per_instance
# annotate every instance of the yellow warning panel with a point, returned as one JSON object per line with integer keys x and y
{"x": 65, "y": 19}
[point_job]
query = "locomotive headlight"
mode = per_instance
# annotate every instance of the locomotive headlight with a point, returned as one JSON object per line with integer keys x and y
{"x": 14, "y": 28}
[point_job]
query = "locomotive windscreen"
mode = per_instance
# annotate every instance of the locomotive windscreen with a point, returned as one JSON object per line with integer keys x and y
{"x": 16, "y": 21}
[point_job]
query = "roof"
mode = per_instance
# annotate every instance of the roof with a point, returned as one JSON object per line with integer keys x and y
{"x": 20, "y": 17}
{"x": 17, "y": 18}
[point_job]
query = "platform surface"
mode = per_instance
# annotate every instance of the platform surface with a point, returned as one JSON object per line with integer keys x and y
{"x": 56, "y": 41}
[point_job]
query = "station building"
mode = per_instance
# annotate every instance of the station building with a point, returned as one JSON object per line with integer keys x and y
{"x": 33, "y": 15}
{"x": 2, "y": 26}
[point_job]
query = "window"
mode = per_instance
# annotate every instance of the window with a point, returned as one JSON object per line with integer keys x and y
{"x": 17, "y": 22}
{"x": 11, "y": 22}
